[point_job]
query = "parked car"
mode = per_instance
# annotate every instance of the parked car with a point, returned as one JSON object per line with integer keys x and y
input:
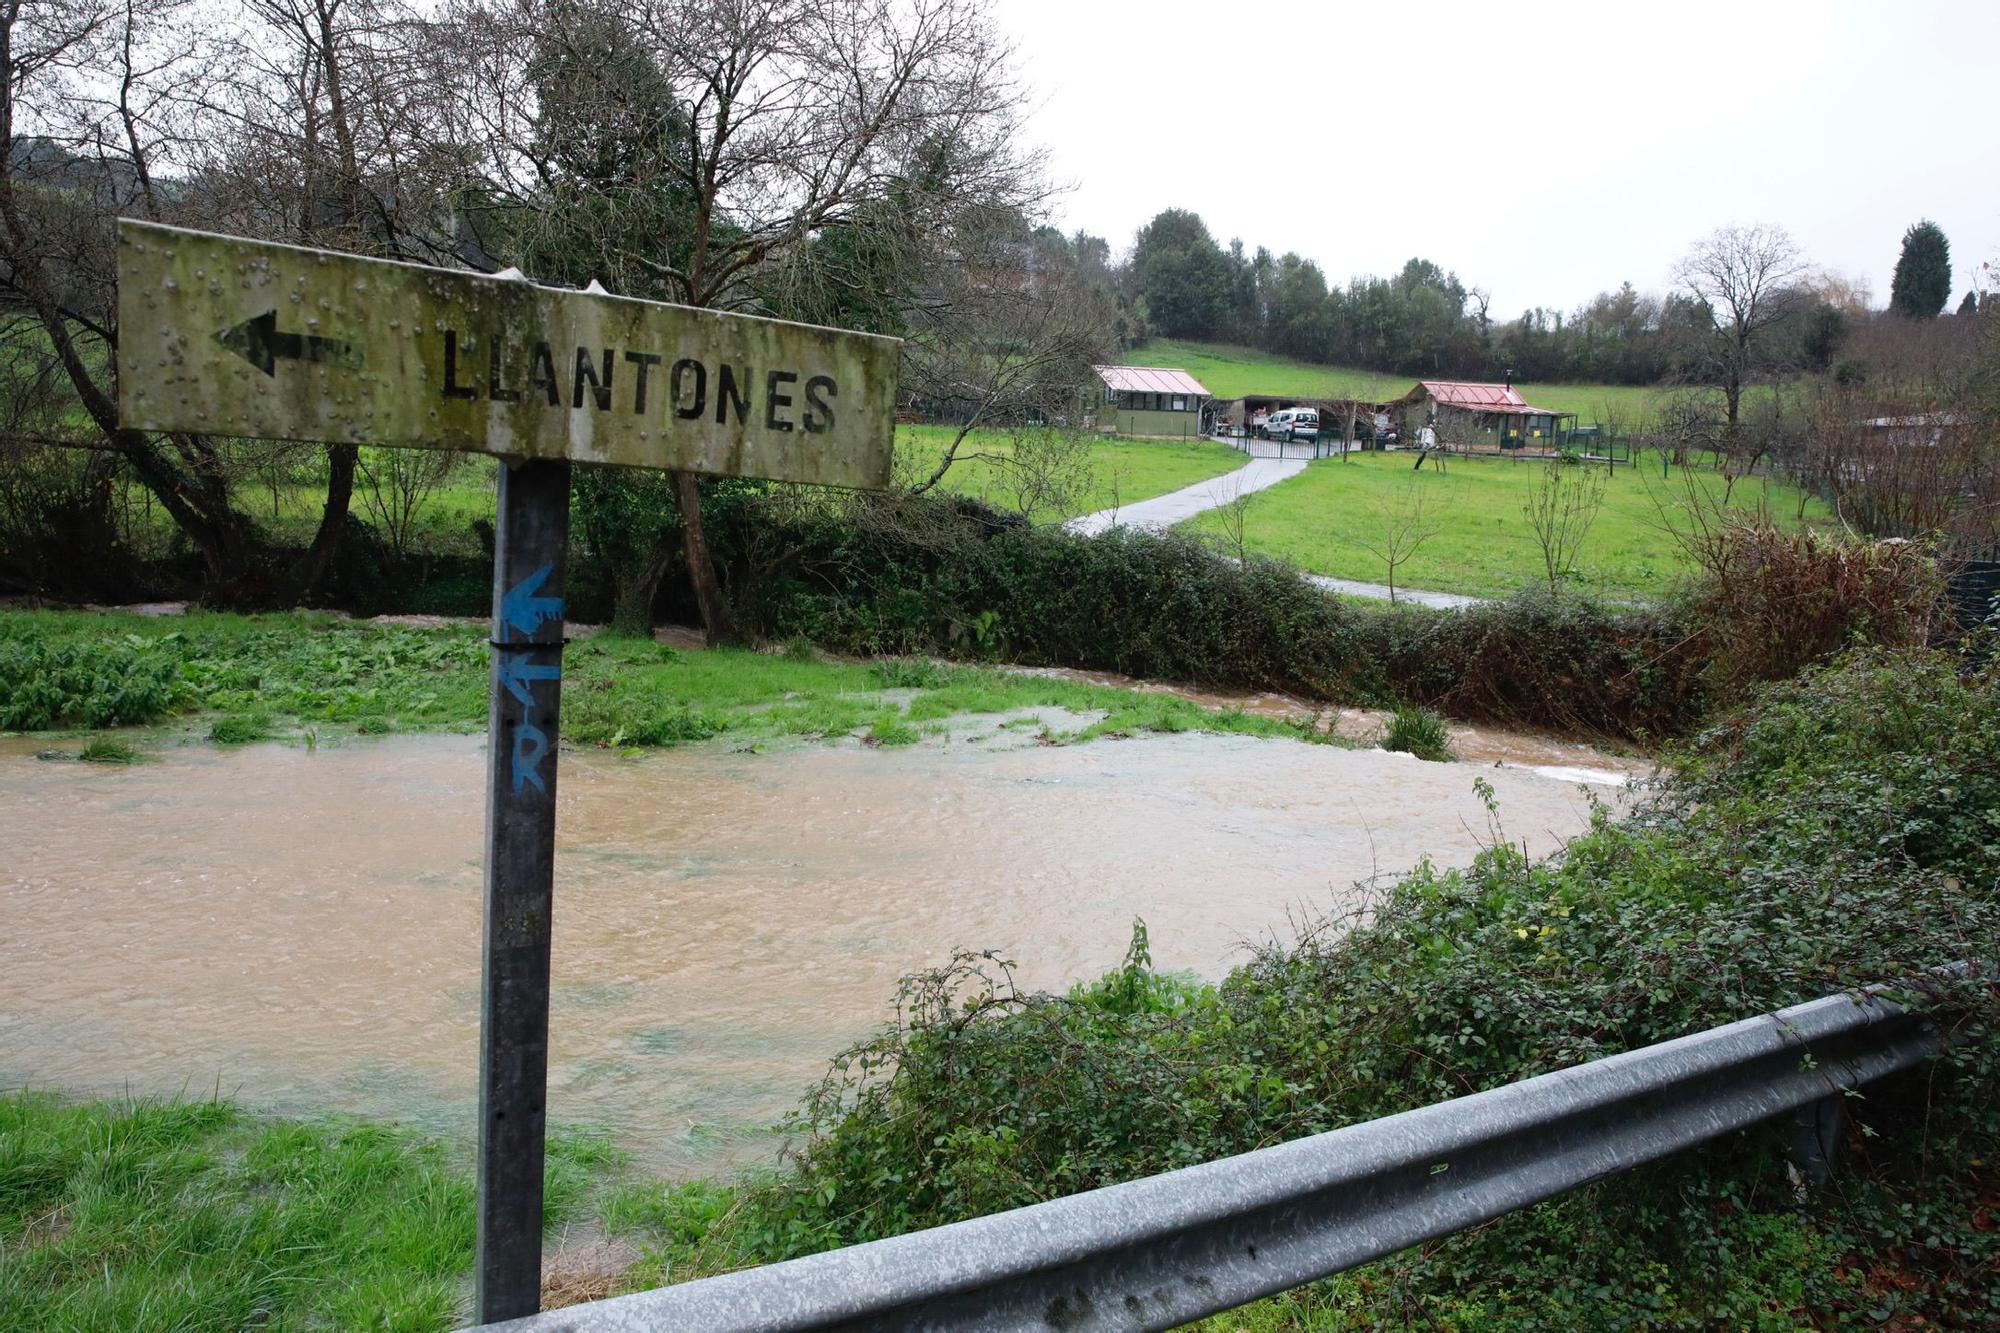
{"x": 1292, "y": 423}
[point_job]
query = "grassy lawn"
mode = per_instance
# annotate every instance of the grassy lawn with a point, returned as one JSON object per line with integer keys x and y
{"x": 1231, "y": 372}
{"x": 1121, "y": 470}
{"x": 194, "y": 1215}
{"x": 1486, "y": 546}
{"x": 221, "y": 679}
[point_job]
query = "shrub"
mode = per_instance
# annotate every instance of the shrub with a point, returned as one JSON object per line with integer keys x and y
{"x": 236, "y": 730}
{"x": 1769, "y": 602}
{"x": 1420, "y": 732}
{"x": 945, "y": 580}
{"x": 96, "y": 683}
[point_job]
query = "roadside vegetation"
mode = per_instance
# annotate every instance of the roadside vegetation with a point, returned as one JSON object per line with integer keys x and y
{"x": 1327, "y": 519}
{"x": 231, "y": 680}
{"x": 192, "y": 1214}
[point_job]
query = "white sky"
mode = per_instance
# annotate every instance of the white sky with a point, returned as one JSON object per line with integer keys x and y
{"x": 1544, "y": 151}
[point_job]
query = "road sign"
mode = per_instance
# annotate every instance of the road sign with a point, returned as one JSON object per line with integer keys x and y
{"x": 236, "y": 337}
{"x": 227, "y": 336}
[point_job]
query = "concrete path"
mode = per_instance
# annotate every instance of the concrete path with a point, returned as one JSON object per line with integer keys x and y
{"x": 1163, "y": 511}
{"x": 1264, "y": 469}
{"x": 1443, "y": 601}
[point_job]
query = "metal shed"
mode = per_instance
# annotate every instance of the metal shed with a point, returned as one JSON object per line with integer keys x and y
{"x": 1149, "y": 400}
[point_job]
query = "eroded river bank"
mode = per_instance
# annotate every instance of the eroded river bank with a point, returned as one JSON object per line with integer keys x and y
{"x": 299, "y": 928}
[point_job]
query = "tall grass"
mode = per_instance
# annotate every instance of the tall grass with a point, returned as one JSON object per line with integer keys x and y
{"x": 177, "y": 1214}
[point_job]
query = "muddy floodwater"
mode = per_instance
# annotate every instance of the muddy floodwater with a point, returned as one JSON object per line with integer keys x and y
{"x": 300, "y": 928}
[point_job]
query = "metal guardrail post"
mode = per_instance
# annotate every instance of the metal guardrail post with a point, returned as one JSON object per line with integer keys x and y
{"x": 1171, "y": 1248}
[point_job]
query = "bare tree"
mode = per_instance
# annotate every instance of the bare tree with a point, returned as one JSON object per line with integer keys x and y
{"x": 1398, "y": 525}
{"x": 1233, "y": 514}
{"x": 162, "y": 110}
{"x": 769, "y": 133}
{"x": 1044, "y": 471}
{"x": 1561, "y": 509}
{"x": 398, "y": 484}
{"x": 1744, "y": 280}
{"x": 1001, "y": 332}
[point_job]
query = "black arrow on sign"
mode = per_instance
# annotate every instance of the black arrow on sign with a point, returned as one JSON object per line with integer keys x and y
{"x": 258, "y": 341}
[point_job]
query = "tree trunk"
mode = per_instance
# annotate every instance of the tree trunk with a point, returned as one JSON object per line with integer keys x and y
{"x": 311, "y": 568}
{"x": 718, "y": 625}
{"x": 632, "y": 606}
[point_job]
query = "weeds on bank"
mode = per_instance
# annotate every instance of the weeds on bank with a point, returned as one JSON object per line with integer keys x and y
{"x": 192, "y": 1214}
{"x": 1419, "y": 732}
{"x": 304, "y": 677}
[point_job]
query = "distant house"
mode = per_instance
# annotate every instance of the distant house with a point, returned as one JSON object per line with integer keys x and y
{"x": 1471, "y": 415}
{"x": 1148, "y": 400}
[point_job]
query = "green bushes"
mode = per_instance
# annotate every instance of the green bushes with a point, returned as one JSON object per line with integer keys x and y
{"x": 947, "y": 579}
{"x": 60, "y": 669}
{"x": 92, "y": 683}
{"x": 1419, "y": 732}
{"x": 1845, "y": 831}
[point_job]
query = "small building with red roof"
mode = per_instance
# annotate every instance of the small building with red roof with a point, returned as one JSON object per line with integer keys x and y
{"x": 1155, "y": 401}
{"x": 1467, "y": 415}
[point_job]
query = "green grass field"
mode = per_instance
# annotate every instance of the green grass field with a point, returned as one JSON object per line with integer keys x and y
{"x": 1121, "y": 470}
{"x": 1231, "y": 372}
{"x": 1486, "y": 546}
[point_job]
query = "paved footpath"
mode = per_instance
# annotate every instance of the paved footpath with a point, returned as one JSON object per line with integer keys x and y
{"x": 1264, "y": 469}
{"x": 1163, "y": 511}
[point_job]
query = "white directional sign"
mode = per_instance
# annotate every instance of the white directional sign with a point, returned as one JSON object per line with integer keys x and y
{"x": 228, "y": 336}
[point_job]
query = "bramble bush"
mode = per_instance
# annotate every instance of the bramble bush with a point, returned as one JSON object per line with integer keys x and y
{"x": 98, "y": 683}
{"x": 1842, "y": 831}
{"x": 957, "y": 580}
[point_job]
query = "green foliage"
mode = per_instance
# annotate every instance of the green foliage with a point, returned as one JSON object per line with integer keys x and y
{"x": 109, "y": 750}
{"x": 1183, "y": 275}
{"x": 1922, "y": 282}
{"x": 239, "y": 729}
{"x": 192, "y": 1215}
{"x": 1164, "y": 607}
{"x": 115, "y": 670}
{"x": 1842, "y": 832}
{"x": 628, "y": 524}
{"x": 98, "y": 682}
{"x": 1420, "y": 732}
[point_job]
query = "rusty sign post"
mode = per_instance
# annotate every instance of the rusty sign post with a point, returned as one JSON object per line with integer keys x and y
{"x": 222, "y": 335}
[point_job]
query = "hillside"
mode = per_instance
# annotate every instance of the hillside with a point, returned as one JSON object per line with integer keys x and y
{"x": 1231, "y": 372}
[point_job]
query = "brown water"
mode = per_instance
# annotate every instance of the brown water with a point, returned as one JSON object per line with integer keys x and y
{"x": 300, "y": 929}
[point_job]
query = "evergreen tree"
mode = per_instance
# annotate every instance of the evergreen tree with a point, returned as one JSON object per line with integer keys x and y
{"x": 1970, "y": 305}
{"x": 1184, "y": 276}
{"x": 1923, "y": 274}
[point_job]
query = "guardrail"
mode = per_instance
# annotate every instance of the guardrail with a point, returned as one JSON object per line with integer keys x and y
{"x": 1161, "y": 1251}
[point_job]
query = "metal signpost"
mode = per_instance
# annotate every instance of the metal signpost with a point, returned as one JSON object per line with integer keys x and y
{"x": 227, "y": 336}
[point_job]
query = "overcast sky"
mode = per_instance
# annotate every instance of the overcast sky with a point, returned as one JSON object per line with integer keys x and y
{"x": 1543, "y": 151}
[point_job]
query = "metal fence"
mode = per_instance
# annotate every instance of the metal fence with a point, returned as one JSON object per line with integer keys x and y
{"x": 1158, "y": 1252}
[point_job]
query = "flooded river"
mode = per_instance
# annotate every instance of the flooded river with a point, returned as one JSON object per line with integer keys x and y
{"x": 300, "y": 928}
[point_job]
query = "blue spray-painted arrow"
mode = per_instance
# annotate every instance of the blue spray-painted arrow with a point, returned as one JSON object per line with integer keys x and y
{"x": 518, "y": 675}
{"x": 530, "y": 744}
{"x": 524, "y": 611}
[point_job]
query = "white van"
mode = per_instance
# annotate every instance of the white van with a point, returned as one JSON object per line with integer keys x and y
{"x": 1292, "y": 423}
